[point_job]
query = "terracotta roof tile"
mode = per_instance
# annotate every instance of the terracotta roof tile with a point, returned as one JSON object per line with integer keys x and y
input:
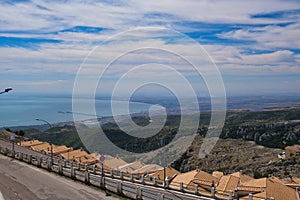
{"x": 130, "y": 167}
{"x": 30, "y": 143}
{"x": 61, "y": 149}
{"x": 87, "y": 159}
{"x": 242, "y": 177}
{"x": 147, "y": 169}
{"x": 188, "y": 177}
{"x": 74, "y": 154}
{"x": 271, "y": 187}
{"x": 227, "y": 183}
{"x": 170, "y": 173}
{"x": 44, "y": 147}
{"x": 110, "y": 162}
{"x": 114, "y": 163}
{"x": 218, "y": 174}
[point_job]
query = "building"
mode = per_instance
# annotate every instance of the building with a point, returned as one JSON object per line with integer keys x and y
{"x": 30, "y": 143}
{"x": 61, "y": 149}
{"x": 292, "y": 182}
{"x": 170, "y": 173}
{"x": 130, "y": 167}
{"x": 110, "y": 162}
{"x": 203, "y": 180}
{"x": 229, "y": 183}
{"x": 218, "y": 174}
{"x": 266, "y": 188}
{"x": 295, "y": 149}
{"x": 80, "y": 156}
{"x": 44, "y": 147}
{"x": 147, "y": 169}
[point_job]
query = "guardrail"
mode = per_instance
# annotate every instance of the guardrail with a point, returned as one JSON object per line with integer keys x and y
{"x": 124, "y": 184}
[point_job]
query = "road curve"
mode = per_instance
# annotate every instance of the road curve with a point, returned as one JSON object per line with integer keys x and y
{"x": 20, "y": 181}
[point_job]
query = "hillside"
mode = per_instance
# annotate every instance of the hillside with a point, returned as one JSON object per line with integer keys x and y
{"x": 250, "y": 141}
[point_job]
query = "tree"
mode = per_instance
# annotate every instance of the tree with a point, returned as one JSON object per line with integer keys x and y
{"x": 8, "y": 129}
{"x": 20, "y": 133}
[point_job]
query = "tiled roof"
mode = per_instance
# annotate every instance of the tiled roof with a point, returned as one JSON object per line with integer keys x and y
{"x": 218, "y": 174}
{"x": 202, "y": 182}
{"x": 242, "y": 177}
{"x": 250, "y": 189}
{"x": 110, "y": 162}
{"x": 170, "y": 173}
{"x": 292, "y": 182}
{"x": 104, "y": 166}
{"x": 270, "y": 187}
{"x": 30, "y": 143}
{"x": 74, "y": 154}
{"x": 185, "y": 178}
{"x": 295, "y": 147}
{"x": 262, "y": 182}
{"x": 227, "y": 183}
{"x": 188, "y": 177}
{"x": 201, "y": 190}
{"x": 61, "y": 149}
{"x": 87, "y": 159}
{"x": 114, "y": 163}
{"x": 97, "y": 156}
{"x": 44, "y": 147}
{"x": 203, "y": 176}
{"x": 130, "y": 167}
{"x": 147, "y": 169}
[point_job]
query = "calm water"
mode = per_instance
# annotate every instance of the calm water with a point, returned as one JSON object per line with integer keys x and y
{"x": 22, "y": 111}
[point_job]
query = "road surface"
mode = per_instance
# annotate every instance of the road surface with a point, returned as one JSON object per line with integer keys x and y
{"x": 20, "y": 181}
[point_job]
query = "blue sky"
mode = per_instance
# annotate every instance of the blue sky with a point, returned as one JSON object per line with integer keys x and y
{"x": 255, "y": 44}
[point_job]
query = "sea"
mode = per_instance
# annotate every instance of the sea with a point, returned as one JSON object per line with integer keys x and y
{"x": 24, "y": 109}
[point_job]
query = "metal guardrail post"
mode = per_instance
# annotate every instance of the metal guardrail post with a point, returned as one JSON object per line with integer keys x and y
{"x": 119, "y": 187}
{"x": 139, "y": 193}
{"x": 196, "y": 187}
{"x": 213, "y": 192}
{"x": 73, "y": 173}
{"x": 181, "y": 186}
{"x": 60, "y": 169}
{"x": 161, "y": 196}
{"x": 166, "y": 183}
{"x": 102, "y": 183}
{"x": 250, "y": 197}
{"x": 142, "y": 179}
{"x": 21, "y": 156}
{"x": 64, "y": 163}
{"x": 154, "y": 181}
{"x": 87, "y": 177}
{"x": 230, "y": 195}
{"x": 94, "y": 169}
{"x": 29, "y": 158}
{"x": 121, "y": 175}
{"x": 131, "y": 177}
{"x": 39, "y": 162}
{"x": 49, "y": 165}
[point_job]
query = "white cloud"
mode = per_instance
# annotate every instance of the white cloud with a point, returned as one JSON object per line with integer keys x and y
{"x": 232, "y": 60}
{"x": 46, "y": 19}
{"x": 269, "y": 37}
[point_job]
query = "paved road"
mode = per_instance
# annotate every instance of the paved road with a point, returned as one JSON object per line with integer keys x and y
{"x": 20, "y": 181}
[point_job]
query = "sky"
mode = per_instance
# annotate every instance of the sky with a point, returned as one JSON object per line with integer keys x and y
{"x": 254, "y": 44}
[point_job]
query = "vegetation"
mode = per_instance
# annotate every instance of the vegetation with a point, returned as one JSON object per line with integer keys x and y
{"x": 270, "y": 128}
